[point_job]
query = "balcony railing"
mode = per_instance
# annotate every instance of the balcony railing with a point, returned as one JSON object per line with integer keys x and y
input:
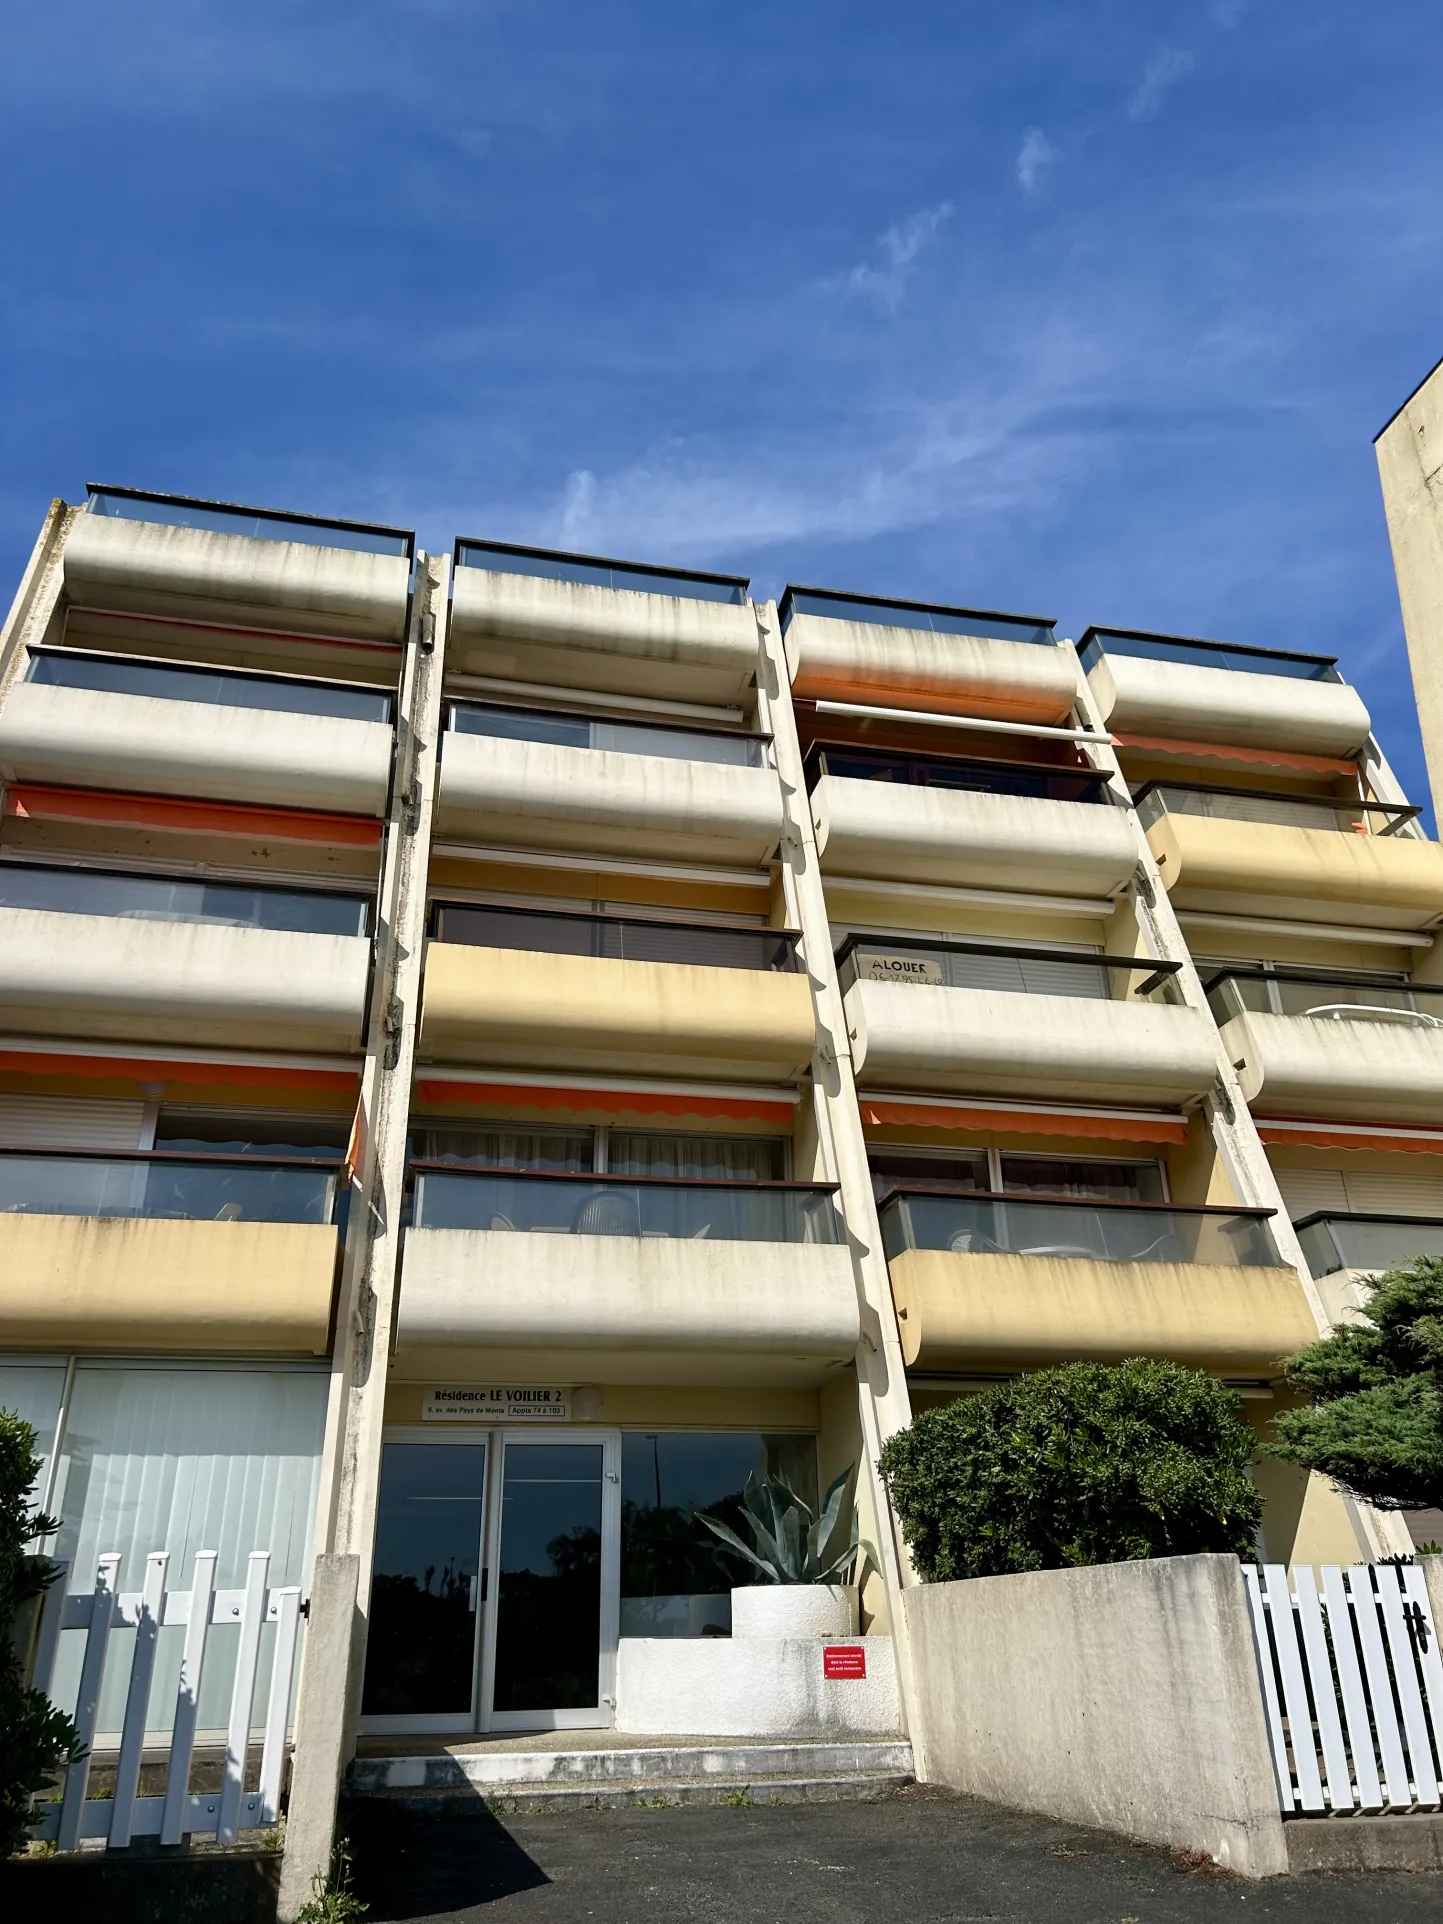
{"x": 1015, "y": 969}
{"x": 1206, "y": 654}
{"x": 877, "y": 612}
{"x": 218, "y": 687}
{"x": 1332, "y": 1242}
{"x": 1234, "y": 992}
{"x": 597, "y": 571}
{"x": 265, "y": 524}
{"x": 955, "y": 772}
{"x": 184, "y": 1186}
{"x": 615, "y": 937}
{"x": 564, "y": 728}
{"x": 682, "y": 1208}
{"x": 1350, "y": 817}
{"x": 976, "y": 1223}
{"x": 161, "y": 898}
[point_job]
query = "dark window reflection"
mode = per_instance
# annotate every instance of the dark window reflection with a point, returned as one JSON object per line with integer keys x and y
{"x": 421, "y": 1647}
{"x": 548, "y": 1621}
{"x": 676, "y": 1578}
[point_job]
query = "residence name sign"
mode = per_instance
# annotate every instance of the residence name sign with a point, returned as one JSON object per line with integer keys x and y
{"x": 901, "y": 968}
{"x": 472, "y": 1405}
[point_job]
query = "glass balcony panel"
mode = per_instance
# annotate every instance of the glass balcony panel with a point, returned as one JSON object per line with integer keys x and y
{"x": 592, "y": 571}
{"x": 258, "y": 524}
{"x": 1324, "y": 998}
{"x": 1202, "y": 654}
{"x": 974, "y": 777}
{"x": 695, "y": 1211}
{"x": 1345, "y": 817}
{"x": 628, "y": 738}
{"x": 903, "y": 614}
{"x": 1358, "y": 1242}
{"x": 118, "y": 675}
{"x": 250, "y": 1191}
{"x": 1016, "y": 1226}
{"x": 616, "y": 938}
{"x": 950, "y": 967}
{"x": 156, "y": 898}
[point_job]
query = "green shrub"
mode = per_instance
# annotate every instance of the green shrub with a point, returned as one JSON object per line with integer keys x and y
{"x": 35, "y": 1739}
{"x": 1090, "y": 1463}
{"x": 1375, "y": 1426}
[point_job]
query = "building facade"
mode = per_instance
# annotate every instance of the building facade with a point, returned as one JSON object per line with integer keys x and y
{"x": 495, "y": 1048}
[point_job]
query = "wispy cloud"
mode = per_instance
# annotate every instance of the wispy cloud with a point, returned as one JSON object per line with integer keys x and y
{"x": 1227, "y": 14}
{"x": 898, "y": 249}
{"x": 1034, "y": 157}
{"x": 1164, "y": 70}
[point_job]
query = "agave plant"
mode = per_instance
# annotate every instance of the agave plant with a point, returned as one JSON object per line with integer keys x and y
{"x": 793, "y": 1543}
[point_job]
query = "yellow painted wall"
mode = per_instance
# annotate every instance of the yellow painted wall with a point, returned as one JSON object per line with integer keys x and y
{"x": 987, "y": 1312}
{"x": 1256, "y": 859}
{"x": 132, "y": 1283}
{"x": 518, "y": 1006}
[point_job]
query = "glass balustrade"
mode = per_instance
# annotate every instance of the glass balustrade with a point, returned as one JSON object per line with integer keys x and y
{"x": 1367, "y": 1242}
{"x": 1338, "y": 814}
{"x": 563, "y": 729}
{"x": 596, "y": 571}
{"x": 264, "y": 524}
{"x": 184, "y": 1188}
{"x": 615, "y": 937}
{"x": 286, "y": 695}
{"x": 681, "y": 1209}
{"x": 1324, "y": 998}
{"x": 1078, "y": 1230}
{"x": 1206, "y": 654}
{"x": 1013, "y": 969}
{"x": 163, "y": 898}
{"x": 877, "y": 612}
{"x": 955, "y": 772}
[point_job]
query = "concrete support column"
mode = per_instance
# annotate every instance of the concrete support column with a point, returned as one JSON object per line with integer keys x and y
{"x": 884, "y": 1404}
{"x": 40, "y": 585}
{"x": 365, "y": 1315}
{"x": 322, "y": 1747}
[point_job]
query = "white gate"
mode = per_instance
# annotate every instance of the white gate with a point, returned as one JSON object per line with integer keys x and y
{"x": 1352, "y": 1686}
{"x": 177, "y": 1814}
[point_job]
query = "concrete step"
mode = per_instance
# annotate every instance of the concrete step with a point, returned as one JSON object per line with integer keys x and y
{"x": 454, "y": 1782}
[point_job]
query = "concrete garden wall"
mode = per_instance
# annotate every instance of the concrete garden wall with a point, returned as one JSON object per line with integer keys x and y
{"x": 1123, "y": 1696}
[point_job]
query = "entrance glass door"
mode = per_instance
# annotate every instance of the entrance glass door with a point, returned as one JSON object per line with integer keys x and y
{"x": 425, "y": 1587}
{"x": 552, "y": 1637}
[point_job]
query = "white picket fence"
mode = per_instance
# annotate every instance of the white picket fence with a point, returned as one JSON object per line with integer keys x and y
{"x": 124, "y": 1814}
{"x": 1352, "y": 1686}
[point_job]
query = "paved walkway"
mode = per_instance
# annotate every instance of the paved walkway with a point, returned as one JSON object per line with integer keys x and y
{"x": 919, "y": 1857}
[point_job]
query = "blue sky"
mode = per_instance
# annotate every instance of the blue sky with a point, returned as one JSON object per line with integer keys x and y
{"x": 1087, "y": 310}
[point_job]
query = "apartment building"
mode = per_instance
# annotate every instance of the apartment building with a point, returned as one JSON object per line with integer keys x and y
{"x": 494, "y": 1048}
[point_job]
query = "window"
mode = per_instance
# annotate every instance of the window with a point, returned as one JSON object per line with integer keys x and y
{"x": 120, "y": 675}
{"x": 252, "y": 1132}
{"x": 699, "y": 1158}
{"x": 1099, "y": 1181}
{"x": 160, "y": 898}
{"x": 676, "y": 1578}
{"x": 506, "y": 1146}
{"x": 962, "y": 1169}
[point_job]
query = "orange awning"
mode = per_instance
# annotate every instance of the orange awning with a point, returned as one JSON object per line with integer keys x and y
{"x": 1244, "y": 757}
{"x": 1029, "y": 1122}
{"x": 32, "y": 802}
{"x": 1416, "y": 1142}
{"x": 611, "y": 1102}
{"x": 242, "y": 1075}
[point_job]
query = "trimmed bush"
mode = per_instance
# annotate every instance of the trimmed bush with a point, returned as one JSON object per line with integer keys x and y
{"x": 1090, "y": 1463}
{"x": 35, "y": 1739}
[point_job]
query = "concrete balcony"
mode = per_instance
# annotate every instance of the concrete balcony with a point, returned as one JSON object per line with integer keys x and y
{"x": 572, "y": 991}
{"x": 1338, "y": 1067}
{"x": 885, "y": 831}
{"x": 1285, "y": 871}
{"x": 985, "y": 1283}
{"x": 177, "y": 981}
{"x": 909, "y": 1030}
{"x": 869, "y": 655}
{"x": 531, "y": 794}
{"x": 578, "y": 1278}
{"x": 137, "y": 744}
{"x": 144, "y": 567}
{"x": 1177, "y": 700}
{"x": 167, "y": 1253}
{"x": 575, "y": 634}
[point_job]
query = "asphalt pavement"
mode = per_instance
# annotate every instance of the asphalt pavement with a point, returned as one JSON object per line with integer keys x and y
{"x": 920, "y": 1856}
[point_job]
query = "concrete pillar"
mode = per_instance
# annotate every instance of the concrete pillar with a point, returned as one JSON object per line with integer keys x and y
{"x": 39, "y": 591}
{"x": 365, "y": 1316}
{"x": 1410, "y": 467}
{"x": 884, "y": 1405}
{"x": 322, "y": 1745}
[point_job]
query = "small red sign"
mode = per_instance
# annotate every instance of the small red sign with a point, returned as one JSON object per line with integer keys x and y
{"x": 844, "y": 1660}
